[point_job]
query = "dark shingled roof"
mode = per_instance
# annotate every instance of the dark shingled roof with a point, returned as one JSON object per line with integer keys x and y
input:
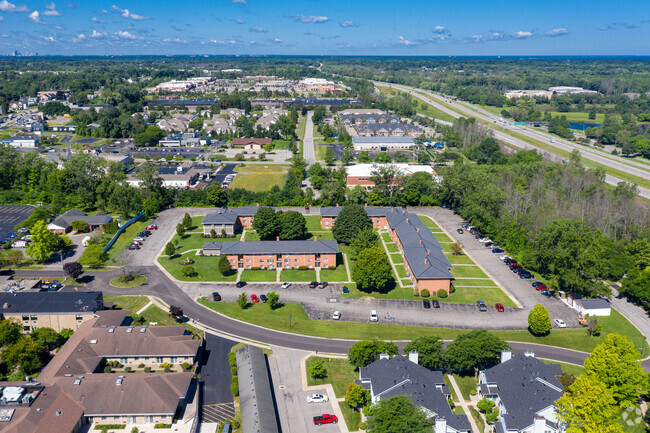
{"x": 255, "y": 392}
{"x": 229, "y": 215}
{"x": 593, "y": 304}
{"x": 525, "y": 385}
{"x": 400, "y": 376}
{"x": 279, "y": 247}
{"x": 51, "y": 302}
{"x": 65, "y": 220}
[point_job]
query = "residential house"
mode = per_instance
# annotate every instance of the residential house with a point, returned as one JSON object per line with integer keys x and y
{"x": 360, "y": 174}
{"x": 369, "y": 118}
{"x": 269, "y": 117}
{"x": 388, "y": 377}
{"x": 63, "y": 223}
{"x": 31, "y": 123}
{"x": 524, "y": 390}
{"x": 382, "y": 144}
{"x": 251, "y": 143}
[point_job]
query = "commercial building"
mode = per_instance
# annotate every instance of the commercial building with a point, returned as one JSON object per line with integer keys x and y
{"x": 364, "y": 117}
{"x": 316, "y": 85}
{"x": 63, "y": 223}
{"x": 382, "y": 144}
{"x": 286, "y": 254}
{"x": 360, "y": 174}
{"x": 251, "y": 143}
{"x": 388, "y": 377}
{"x": 388, "y": 130}
{"x": 56, "y": 310}
{"x": 424, "y": 259}
{"x": 22, "y": 141}
{"x": 524, "y": 390}
{"x": 173, "y": 177}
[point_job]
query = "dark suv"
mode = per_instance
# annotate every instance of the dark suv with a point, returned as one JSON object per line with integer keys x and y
{"x": 481, "y": 306}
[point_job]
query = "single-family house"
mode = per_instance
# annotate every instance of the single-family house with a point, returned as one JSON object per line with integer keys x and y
{"x": 63, "y": 223}
{"x": 251, "y": 143}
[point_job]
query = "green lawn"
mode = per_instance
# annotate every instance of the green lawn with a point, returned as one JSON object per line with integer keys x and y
{"x": 195, "y": 241}
{"x": 386, "y": 237}
{"x": 340, "y": 374}
{"x": 465, "y": 384}
{"x": 442, "y": 237}
{"x": 131, "y": 303}
{"x": 124, "y": 240}
{"x": 205, "y": 266}
{"x": 567, "y": 368}
{"x": 401, "y": 271}
{"x": 265, "y": 275}
{"x": 313, "y": 223}
{"x": 321, "y": 236}
{"x": 281, "y": 144}
{"x": 459, "y": 259}
{"x": 296, "y": 275}
{"x": 468, "y": 272}
{"x": 430, "y": 223}
{"x": 301, "y": 324}
{"x": 474, "y": 282}
{"x": 392, "y": 248}
{"x": 259, "y": 177}
{"x": 300, "y": 127}
{"x": 162, "y": 318}
{"x": 469, "y": 295}
{"x": 251, "y": 235}
{"x": 352, "y": 417}
{"x": 119, "y": 281}
{"x": 477, "y": 417}
{"x": 337, "y": 274}
{"x": 397, "y": 258}
{"x": 633, "y": 421}
{"x": 451, "y": 389}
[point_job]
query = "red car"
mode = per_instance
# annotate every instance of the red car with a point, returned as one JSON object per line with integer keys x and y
{"x": 541, "y": 287}
{"x": 499, "y": 307}
{"x": 255, "y": 299}
{"x": 152, "y": 227}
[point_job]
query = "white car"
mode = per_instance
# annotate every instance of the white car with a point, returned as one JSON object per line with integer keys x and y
{"x": 336, "y": 315}
{"x": 317, "y": 398}
{"x": 559, "y": 323}
{"x": 503, "y": 257}
{"x": 373, "y": 316}
{"x": 139, "y": 239}
{"x": 485, "y": 240}
{"x": 285, "y": 285}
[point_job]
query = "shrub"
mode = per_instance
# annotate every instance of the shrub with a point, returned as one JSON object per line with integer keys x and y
{"x": 141, "y": 365}
{"x": 303, "y": 268}
{"x": 236, "y": 423}
{"x": 167, "y": 369}
{"x": 317, "y": 370}
{"x": 135, "y": 430}
{"x": 128, "y": 369}
{"x": 232, "y": 360}
{"x": 147, "y": 369}
{"x": 255, "y": 268}
{"x": 234, "y": 387}
{"x": 424, "y": 293}
{"x": 452, "y": 289}
{"x": 186, "y": 366}
{"x": 108, "y": 369}
{"x": 442, "y": 293}
{"x": 189, "y": 272}
{"x": 233, "y": 371}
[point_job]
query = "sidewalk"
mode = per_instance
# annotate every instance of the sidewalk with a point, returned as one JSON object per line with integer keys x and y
{"x": 461, "y": 402}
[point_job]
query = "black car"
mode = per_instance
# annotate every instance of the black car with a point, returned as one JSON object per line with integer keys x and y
{"x": 322, "y": 285}
{"x": 460, "y": 231}
{"x": 435, "y": 303}
{"x": 537, "y": 284}
{"x": 313, "y": 284}
{"x": 508, "y": 261}
{"x": 426, "y": 303}
{"x": 525, "y": 275}
{"x": 216, "y": 297}
{"x": 240, "y": 284}
{"x": 143, "y": 234}
{"x": 133, "y": 247}
{"x": 263, "y": 298}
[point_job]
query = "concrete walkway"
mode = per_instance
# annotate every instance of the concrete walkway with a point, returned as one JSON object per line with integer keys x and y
{"x": 462, "y": 403}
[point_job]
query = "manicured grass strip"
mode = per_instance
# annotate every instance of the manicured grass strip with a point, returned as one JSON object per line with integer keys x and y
{"x": 477, "y": 417}
{"x": 297, "y": 275}
{"x": 451, "y": 389}
{"x": 392, "y": 248}
{"x": 442, "y": 237}
{"x": 340, "y": 374}
{"x": 195, "y": 241}
{"x": 321, "y": 236}
{"x": 251, "y": 235}
{"x": 125, "y": 239}
{"x": 131, "y": 303}
{"x": 118, "y": 281}
{"x": 466, "y": 384}
{"x": 205, "y": 266}
{"x": 401, "y": 271}
{"x": 469, "y": 295}
{"x": 459, "y": 259}
{"x": 468, "y": 272}
{"x": 313, "y": 223}
{"x": 474, "y": 283}
{"x": 265, "y": 275}
{"x": 162, "y": 318}
{"x": 430, "y": 223}
{"x": 352, "y": 417}
{"x": 567, "y": 368}
{"x": 576, "y": 339}
{"x": 337, "y": 274}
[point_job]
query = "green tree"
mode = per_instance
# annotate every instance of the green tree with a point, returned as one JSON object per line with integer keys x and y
{"x": 350, "y": 220}
{"x": 170, "y": 249}
{"x": 347, "y": 157}
{"x": 9, "y": 332}
{"x": 187, "y": 221}
{"x": 616, "y": 363}
{"x": 429, "y": 348}
{"x": 189, "y": 271}
{"x": 473, "y": 351}
{"x": 225, "y": 268}
{"x": 44, "y": 242}
{"x": 588, "y": 406}
{"x": 319, "y": 114}
{"x": 364, "y": 353}
{"x": 216, "y": 195}
{"x": 273, "y": 300}
{"x": 196, "y": 123}
{"x": 293, "y": 225}
{"x": 356, "y": 396}
{"x": 73, "y": 270}
{"x": 397, "y": 414}
{"x": 539, "y": 323}
{"x": 150, "y": 137}
{"x": 489, "y": 152}
{"x": 329, "y": 156}
{"x": 242, "y": 300}
{"x": 317, "y": 370}
{"x": 80, "y": 226}
{"x": 372, "y": 271}
{"x": 267, "y": 223}
{"x": 94, "y": 256}
{"x": 365, "y": 238}
{"x": 180, "y": 230}
{"x": 593, "y": 327}
{"x": 47, "y": 337}
{"x": 25, "y": 354}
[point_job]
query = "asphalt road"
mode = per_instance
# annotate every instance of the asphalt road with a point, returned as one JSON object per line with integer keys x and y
{"x": 308, "y": 151}
{"x": 228, "y": 168}
{"x": 215, "y": 370}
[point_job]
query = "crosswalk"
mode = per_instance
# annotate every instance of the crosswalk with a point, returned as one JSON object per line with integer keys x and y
{"x": 217, "y": 412}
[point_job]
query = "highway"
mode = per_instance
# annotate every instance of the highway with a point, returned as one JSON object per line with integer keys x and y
{"x": 632, "y": 167}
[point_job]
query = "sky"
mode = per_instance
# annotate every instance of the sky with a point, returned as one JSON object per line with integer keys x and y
{"x": 326, "y": 27}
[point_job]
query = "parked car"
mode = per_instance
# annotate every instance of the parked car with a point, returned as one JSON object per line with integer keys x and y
{"x": 23, "y": 230}
{"x": 525, "y": 275}
{"x": 255, "y": 299}
{"x": 426, "y": 303}
{"x": 152, "y": 227}
{"x": 345, "y": 289}
{"x": 435, "y": 303}
{"x": 373, "y": 316}
{"x": 240, "y": 284}
{"x": 336, "y": 315}
{"x": 136, "y": 243}
{"x": 559, "y": 323}
{"x": 504, "y": 257}
{"x": 139, "y": 238}
{"x": 133, "y": 247}
{"x": 499, "y": 307}
{"x": 216, "y": 297}
{"x": 545, "y": 292}
{"x": 541, "y": 287}
{"x": 317, "y": 398}
{"x": 460, "y": 231}
{"x": 485, "y": 240}
{"x": 537, "y": 283}
{"x": 481, "y": 306}
{"x": 285, "y": 285}
{"x": 325, "y": 419}
{"x": 11, "y": 236}
{"x": 263, "y": 298}
{"x": 313, "y": 284}
{"x": 497, "y": 250}
{"x": 322, "y": 285}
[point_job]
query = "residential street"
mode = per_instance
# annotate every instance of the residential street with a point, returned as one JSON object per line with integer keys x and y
{"x": 308, "y": 152}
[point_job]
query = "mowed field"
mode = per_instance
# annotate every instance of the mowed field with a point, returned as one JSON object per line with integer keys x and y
{"x": 258, "y": 177}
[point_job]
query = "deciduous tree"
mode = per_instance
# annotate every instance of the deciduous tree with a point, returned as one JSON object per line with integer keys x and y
{"x": 266, "y": 223}
{"x": 588, "y": 406}
{"x": 350, "y": 220}
{"x": 273, "y": 300}
{"x": 293, "y": 225}
{"x": 175, "y": 311}
{"x": 43, "y": 242}
{"x": 73, "y": 269}
{"x": 474, "y": 351}
{"x": 539, "y": 323}
{"x": 356, "y": 396}
{"x": 365, "y": 238}
{"x": 430, "y": 353}
{"x": 225, "y": 268}
{"x": 364, "y": 353}
{"x": 372, "y": 271}
{"x": 397, "y": 414}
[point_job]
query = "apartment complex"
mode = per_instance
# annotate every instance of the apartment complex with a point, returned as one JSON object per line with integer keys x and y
{"x": 424, "y": 260}
{"x": 56, "y": 310}
{"x": 360, "y": 174}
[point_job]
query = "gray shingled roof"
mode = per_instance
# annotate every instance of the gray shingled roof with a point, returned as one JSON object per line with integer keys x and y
{"x": 374, "y": 127}
{"x": 50, "y": 302}
{"x": 593, "y": 304}
{"x": 255, "y": 392}
{"x": 279, "y": 247}
{"x": 212, "y": 246}
{"x": 401, "y": 140}
{"x": 229, "y": 215}
{"x": 400, "y": 376}
{"x": 65, "y": 220}
{"x": 525, "y": 385}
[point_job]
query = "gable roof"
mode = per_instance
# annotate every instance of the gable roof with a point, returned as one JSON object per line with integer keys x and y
{"x": 255, "y": 392}
{"x": 230, "y": 215}
{"x": 245, "y": 141}
{"x": 525, "y": 385}
{"x": 279, "y": 247}
{"x": 65, "y": 219}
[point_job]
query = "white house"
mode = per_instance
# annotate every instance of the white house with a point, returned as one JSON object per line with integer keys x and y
{"x": 593, "y": 307}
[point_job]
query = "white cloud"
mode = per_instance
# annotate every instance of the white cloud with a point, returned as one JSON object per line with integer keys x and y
{"x": 316, "y": 19}
{"x": 258, "y": 30}
{"x": 404, "y": 41}
{"x": 48, "y": 38}
{"x": 440, "y": 30}
{"x": 239, "y": 2}
{"x": 80, "y": 37}
{"x": 128, "y": 14}
{"x": 522, "y": 35}
{"x": 5, "y": 6}
{"x": 51, "y": 10}
{"x": 35, "y": 17}
{"x": 97, "y": 20}
{"x": 347, "y": 24}
{"x": 2, "y": 19}
{"x": 104, "y": 11}
{"x": 96, "y": 34}
{"x": 557, "y": 32}
{"x": 124, "y": 34}
{"x": 175, "y": 40}
{"x": 240, "y": 21}
{"x": 276, "y": 40}
{"x": 214, "y": 41}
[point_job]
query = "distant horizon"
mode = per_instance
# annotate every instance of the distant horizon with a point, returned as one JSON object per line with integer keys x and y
{"x": 468, "y": 56}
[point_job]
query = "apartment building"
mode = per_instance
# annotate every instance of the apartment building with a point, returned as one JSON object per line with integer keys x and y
{"x": 360, "y": 174}
{"x": 232, "y": 220}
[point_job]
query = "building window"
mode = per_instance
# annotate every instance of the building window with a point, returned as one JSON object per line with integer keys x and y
{"x": 34, "y": 328}
{"x": 79, "y": 317}
{"x": 325, "y": 260}
{"x": 174, "y": 360}
{"x": 159, "y": 359}
{"x": 309, "y": 260}
{"x": 123, "y": 361}
{"x": 248, "y": 267}
{"x": 295, "y": 260}
{"x": 34, "y": 318}
{"x": 148, "y": 419}
{"x": 25, "y": 318}
{"x": 248, "y": 260}
{"x": 131, "y": 419}
{"x": 26, "y": 328}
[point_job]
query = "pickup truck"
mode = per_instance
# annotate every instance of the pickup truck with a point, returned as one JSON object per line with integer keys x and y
{"x": 325, "y": 419}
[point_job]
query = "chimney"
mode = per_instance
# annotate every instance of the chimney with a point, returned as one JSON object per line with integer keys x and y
{"x": 413, "y": 356}
{"x": 407, "y": 220}
{"x": 384, "y": 355}
{"x": 425, "y": 260}
{"x": 539, "y": 424}
{"x": 277, "y": 238}
{"x": 420, "y": 241}
{"x": 441, "y": 425}
{"x": 219, "y": 211}
{"x": 257, "y": 204}
{"x": 428, "y": 252}
{"x": 337, "y": 205}
{"x": 506, "y": 355}
{"x": 529, "y": 353}
{"x": 392, "y": 209}
{"x": 417, "y": 229}
{"x": 403, "y": 211}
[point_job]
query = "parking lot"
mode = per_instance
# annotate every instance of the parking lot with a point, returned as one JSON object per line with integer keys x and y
{"x": 228, "y": 169}
{"x": 185, "y": 152}
{"x": 10, "y": 215}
